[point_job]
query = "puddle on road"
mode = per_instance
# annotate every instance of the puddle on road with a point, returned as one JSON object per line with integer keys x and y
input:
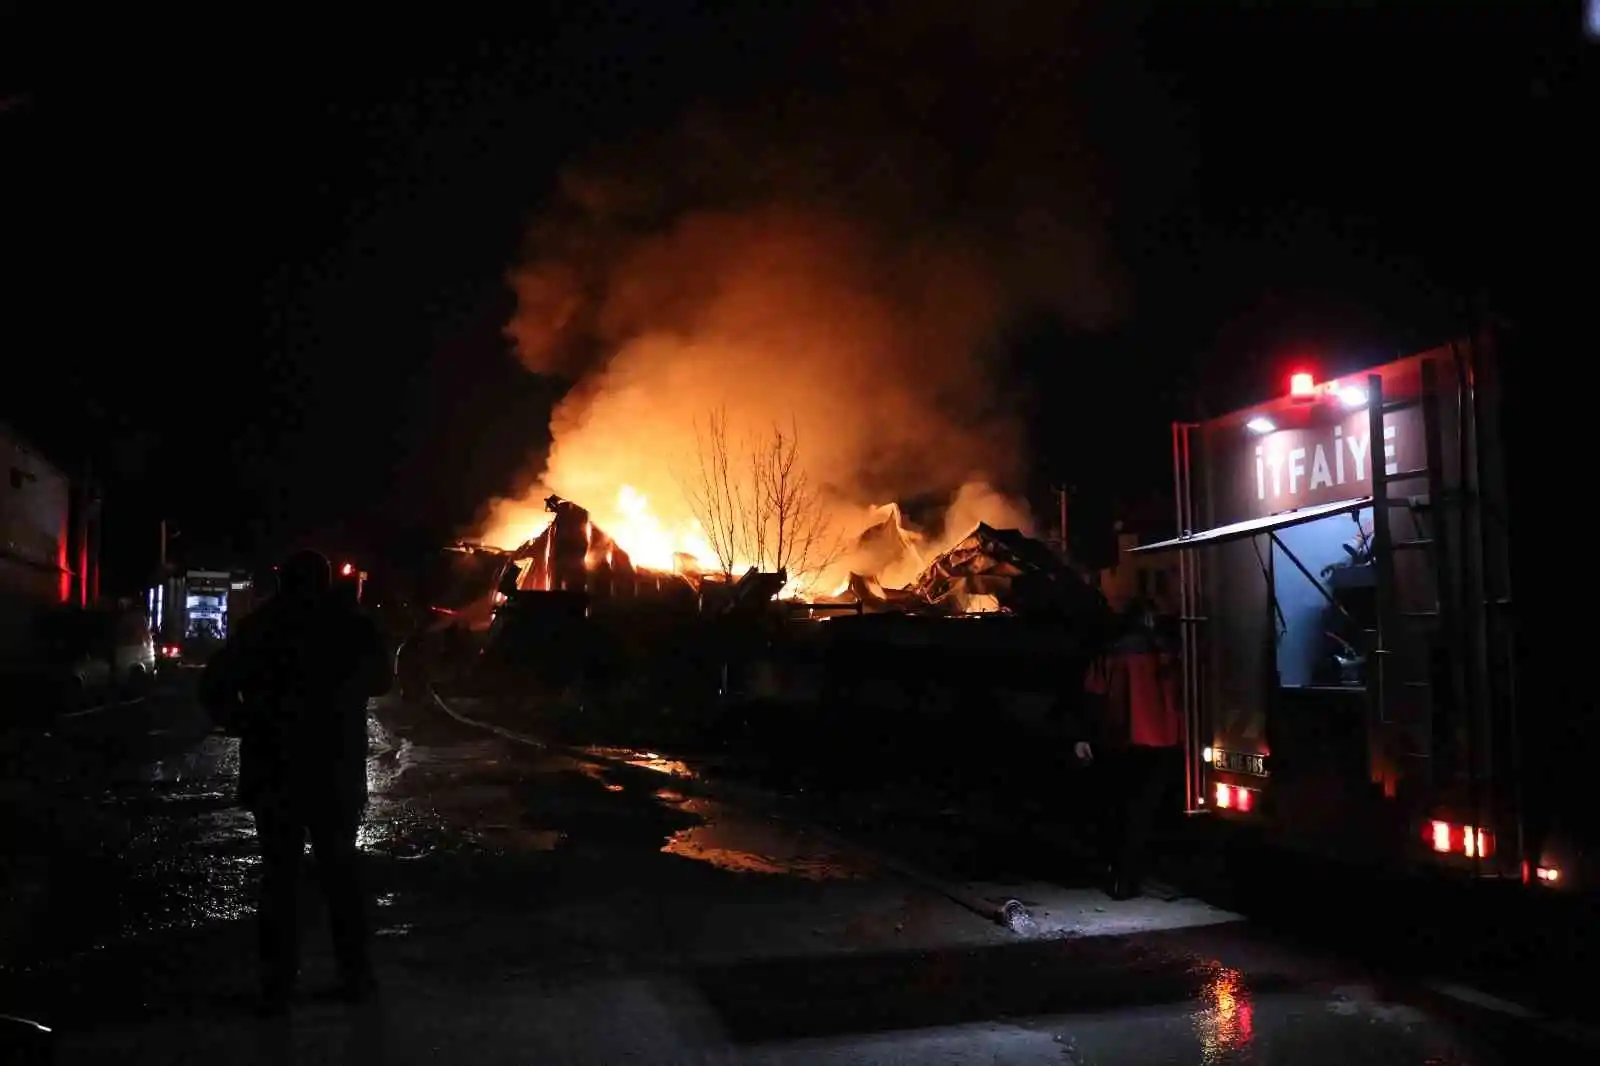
{"x": 729, "y": 842}
{"x": 724, "y": 837}
{"x": 646, "y": 760}
{"x": 1224, "y": 1017}
{"x": 517, "y": 838}
{"x": 165, "y": 849}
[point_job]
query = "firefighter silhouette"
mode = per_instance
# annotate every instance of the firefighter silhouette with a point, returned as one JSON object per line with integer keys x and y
{"x": 292, "y": 683}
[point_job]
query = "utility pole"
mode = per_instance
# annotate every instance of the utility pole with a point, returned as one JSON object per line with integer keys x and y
{"x": 167, "y": 536}
{"x": 1062, "y": 493}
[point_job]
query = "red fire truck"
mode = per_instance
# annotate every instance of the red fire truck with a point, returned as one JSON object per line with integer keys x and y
{"x": 1350, "y": 644}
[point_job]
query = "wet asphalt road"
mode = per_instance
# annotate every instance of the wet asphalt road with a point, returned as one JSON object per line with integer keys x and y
{"x": 539, "y": 907}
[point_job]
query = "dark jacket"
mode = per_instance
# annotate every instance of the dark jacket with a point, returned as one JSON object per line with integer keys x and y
{"x": 292, "y": 683}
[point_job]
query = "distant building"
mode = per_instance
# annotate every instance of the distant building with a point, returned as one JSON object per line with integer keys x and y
{"x": 49, "y": 541}
{"x": 1151, "y": 577}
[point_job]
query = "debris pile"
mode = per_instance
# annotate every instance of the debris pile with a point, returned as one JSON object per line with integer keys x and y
{"x": 992, "y": 570}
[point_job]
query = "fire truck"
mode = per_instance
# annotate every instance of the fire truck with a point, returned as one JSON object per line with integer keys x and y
{"x": 1354, "y": 670}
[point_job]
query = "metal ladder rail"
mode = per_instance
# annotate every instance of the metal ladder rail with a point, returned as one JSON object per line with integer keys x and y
{"x": 1486, "y": 599}
{"x": 1446, "y": 639}
{"x": 1450, "y": 582}
{"x": 1389, "y": 631}
{"x": 1379, "y": 635}
{"x": 1189, "y": 602}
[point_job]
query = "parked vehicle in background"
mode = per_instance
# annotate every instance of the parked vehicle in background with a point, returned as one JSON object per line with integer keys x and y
{"x": 83, "y": 658}
{"x": 71, "y": 666}
{"x": 169, "y": 657}
{"x": 132, "y": 650}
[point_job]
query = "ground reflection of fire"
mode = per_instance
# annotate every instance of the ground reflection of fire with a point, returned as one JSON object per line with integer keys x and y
{"x": 1225, "y": 1018}
{"x": 750, "y": 846}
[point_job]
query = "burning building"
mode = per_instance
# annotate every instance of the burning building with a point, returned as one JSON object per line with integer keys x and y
{"x": 838, "y": 260}
{"x": 988, "y": 570}
{"x": 573, "y": 554}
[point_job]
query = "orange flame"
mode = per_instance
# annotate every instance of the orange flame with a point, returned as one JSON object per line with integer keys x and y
{"x": 652, "y": 543}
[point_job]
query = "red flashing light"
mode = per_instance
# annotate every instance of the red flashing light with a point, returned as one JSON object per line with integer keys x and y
{"x": 1302, "y": 386}
{"x": 347, "y": 570}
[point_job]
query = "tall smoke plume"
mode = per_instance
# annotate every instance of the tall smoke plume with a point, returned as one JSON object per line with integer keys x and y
{"x": 841, "y": 257}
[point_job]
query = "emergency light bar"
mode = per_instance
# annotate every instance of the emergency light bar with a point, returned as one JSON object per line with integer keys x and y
{"x": 1303, "y": 388}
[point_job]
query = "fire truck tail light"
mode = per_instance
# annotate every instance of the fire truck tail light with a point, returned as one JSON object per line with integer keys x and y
{"x": 1440, "y": 837}
{"x": 1472, "y": 842}
{"x": 1302, "y": 386}
{"x": 1235, "y": 798}
{"x": 1548, "y": 874}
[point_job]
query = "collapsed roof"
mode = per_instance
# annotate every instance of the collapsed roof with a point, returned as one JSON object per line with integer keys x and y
{"x": 1002, "y": 569}
{"x": 573, "y": 554}
{"x": 874, "y": 597}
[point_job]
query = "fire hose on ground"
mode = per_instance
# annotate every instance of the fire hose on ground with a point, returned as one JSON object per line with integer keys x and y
{"x": 1009, "y": 913}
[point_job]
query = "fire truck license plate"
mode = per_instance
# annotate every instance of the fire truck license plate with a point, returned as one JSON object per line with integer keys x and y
{"x": 1240, "y": 763}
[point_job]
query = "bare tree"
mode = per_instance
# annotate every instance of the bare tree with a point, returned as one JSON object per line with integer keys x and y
{"x": 715, "y": 494}
{"x": 770, "y": 515}
{"x": 790, "y": 526}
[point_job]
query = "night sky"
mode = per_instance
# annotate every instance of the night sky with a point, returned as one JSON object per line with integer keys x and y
{"x": 256, "y": 271}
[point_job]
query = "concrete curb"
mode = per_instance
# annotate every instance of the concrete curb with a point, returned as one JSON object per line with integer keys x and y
{"x": 1010, "y": 914}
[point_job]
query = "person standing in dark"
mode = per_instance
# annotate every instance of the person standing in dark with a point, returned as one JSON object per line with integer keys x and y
{"x": 1133, "y": 734}
{"x": 292, "y": 683}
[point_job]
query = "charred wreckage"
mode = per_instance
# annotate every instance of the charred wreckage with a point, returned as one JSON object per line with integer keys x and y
{"x": 571, "y": 602}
